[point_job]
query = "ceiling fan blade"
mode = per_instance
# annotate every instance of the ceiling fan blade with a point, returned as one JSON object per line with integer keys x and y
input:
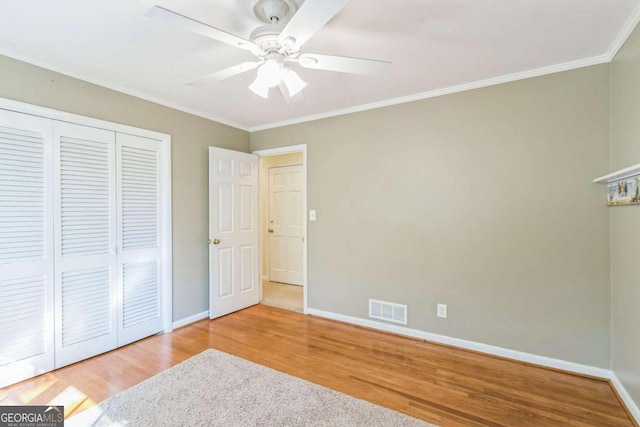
{"x": 288, "y": 99}
{"x": 223, "y": 74}
{"x": 343, "y": 64}
{"x": 161, "y": 14}
{"x": 310, "y": 17}
{"x": 292, "y": 82}
{"x": 259, "y": 88}
{"x": 285, "y": 93}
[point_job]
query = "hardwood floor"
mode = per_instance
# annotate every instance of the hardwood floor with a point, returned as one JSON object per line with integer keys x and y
{"x": 440, "y": 384}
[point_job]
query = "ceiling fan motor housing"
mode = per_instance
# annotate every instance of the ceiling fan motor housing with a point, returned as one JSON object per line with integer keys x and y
{"x": 275, "y": 11}
{"x": 267, "y": 38}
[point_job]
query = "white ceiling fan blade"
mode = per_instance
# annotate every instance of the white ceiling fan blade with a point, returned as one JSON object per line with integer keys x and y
{"x": 292, "y": 101}
{"x": 292, "y": 82}
{"x": 343, "y": 64}
{"x": 259, "y": 88}
{"x": 161, "y": 14}
{"x": 285, "y": 93}
{"x": 310, "y": 17}
{"x": 223, "y": 74}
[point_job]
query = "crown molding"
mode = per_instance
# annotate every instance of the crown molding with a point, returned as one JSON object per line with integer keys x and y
{"x": 607, "y": 57}
{"x": 11, "y": 53}
{"x": 566, "y": 66}
{"x": 624, "y": 33}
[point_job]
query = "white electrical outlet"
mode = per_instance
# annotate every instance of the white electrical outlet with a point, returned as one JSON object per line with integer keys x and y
{"x": 312, "y": 215}
{"x": 442, "y": 310}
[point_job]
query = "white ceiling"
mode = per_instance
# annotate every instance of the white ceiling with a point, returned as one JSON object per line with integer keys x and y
{"x": 433, "y": 44}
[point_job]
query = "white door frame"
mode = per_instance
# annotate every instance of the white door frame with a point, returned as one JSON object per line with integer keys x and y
{"x": 301, "y": 148}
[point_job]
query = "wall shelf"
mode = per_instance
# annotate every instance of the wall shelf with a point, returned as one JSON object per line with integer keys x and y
{"x": 620, "y": 174}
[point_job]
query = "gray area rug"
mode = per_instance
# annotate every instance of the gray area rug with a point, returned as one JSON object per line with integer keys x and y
{"x": 217, "y": 389}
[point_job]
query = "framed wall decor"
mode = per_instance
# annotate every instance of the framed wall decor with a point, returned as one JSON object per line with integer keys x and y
{"x": 623, "y": 186}
{"x": 623, "y": 192}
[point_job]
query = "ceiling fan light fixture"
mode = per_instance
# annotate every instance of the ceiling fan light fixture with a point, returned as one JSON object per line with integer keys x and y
{"x": 292, "y": 81}
{"x": 259, "y": 88}
{"x": 289, "y": 25}
{"x": 270, "y": 73}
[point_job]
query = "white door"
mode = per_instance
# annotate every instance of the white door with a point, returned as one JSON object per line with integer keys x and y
{"x": 286, "y": 218}
{"x": 139, "y": 219}
{"x": 233, "y": 231}
{"x": 85, "y": 242}
{"x": 26, "y": 247}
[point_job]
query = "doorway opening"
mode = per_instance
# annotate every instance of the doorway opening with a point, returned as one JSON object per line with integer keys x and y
{"x": 283, "y": 227}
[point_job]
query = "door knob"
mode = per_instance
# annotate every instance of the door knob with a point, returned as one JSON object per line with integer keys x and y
{"x": 216, "y": 241}
{"x": 270, "y": 230}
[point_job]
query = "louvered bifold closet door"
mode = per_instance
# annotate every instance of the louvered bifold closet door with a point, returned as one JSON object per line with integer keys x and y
{"x": 26, "y": 247}
{"x": 139, "y": 240}
{"x": 85, "y": 244}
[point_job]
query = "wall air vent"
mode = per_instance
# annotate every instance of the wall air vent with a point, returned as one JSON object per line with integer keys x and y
{"x": 389, "y": 311}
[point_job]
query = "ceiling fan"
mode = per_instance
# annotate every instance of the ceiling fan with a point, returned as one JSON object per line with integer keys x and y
{"x": 277, "y": 43}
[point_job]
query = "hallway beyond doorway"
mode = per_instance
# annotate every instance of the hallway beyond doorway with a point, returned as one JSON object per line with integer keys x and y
{"x": 288, "y": 297}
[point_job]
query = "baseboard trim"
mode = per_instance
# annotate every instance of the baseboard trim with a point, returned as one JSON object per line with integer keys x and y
{"x": 534, "y": 359}
{"x": 191, "y": 319}
{"x": 625, "y": 397}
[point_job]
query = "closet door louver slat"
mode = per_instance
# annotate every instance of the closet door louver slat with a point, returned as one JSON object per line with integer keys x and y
{"x": 25, "y": 315}
{"x": 86, "y": 316}
{"x": 141, "y": 293}
{"x": 139, "y": 239}
{"x": 21, "y": 200}
{"x": 26, "y": 255}
{"x": 86, "y": 309}
{"x": 92, "y": 180}
{"x": 139, "y": 207}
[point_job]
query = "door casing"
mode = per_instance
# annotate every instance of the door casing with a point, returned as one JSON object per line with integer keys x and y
{"x": 301, "y": 148}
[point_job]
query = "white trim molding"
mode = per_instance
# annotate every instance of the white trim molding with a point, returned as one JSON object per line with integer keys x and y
{"x": 166, "y": 236}
{"x": 301, "y": 148}
{"x": 11, "y": 53}
{"x": 63, "y": 116}
{"x": 534, "y": 359}
{"x": 521, "y": 356}
{"x": 281, "y": 150}
{"x": 567, "y": 66}
{"x": 191, "y": 319}
{"x": 606, "y": 57}
{"x": 633, "y": 408}
{"x": 624, "y": 34}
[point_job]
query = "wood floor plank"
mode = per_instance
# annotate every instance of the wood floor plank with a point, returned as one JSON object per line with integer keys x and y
{"x": 440, "y": 384}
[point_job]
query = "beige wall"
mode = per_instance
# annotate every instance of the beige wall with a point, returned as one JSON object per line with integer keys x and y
{"x": 625, "y": 229}
{"x": 191, "y": 136}
{"x": 482, "y": 200}
{"x": 265, "y": 164}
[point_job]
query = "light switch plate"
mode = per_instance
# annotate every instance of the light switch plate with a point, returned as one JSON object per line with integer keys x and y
{"x": 312, "y": 215}
{"x": 442, "y": 311}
